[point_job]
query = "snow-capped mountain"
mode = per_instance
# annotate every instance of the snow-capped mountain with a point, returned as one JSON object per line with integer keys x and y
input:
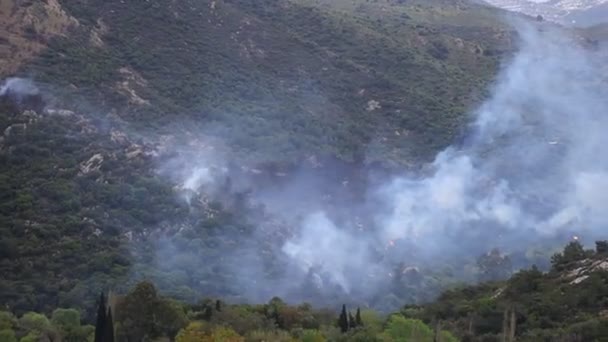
{"x": 577, "y": 12}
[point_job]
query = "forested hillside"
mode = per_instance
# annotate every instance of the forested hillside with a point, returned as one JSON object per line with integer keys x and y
{"x": 118, "y": 88}
{"x": 187, "y": 143}
{"x": 283, "y": 78}
{"x": 566, "y": 304}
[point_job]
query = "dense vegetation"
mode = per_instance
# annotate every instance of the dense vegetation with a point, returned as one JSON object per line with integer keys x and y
{"x": 531, "y": 306}
{"x": 566, "y": 304}
{"x": 82, "y": 206}
{"x": 83, "y": 210}
{"x": 142, "y": 315}
{"x": 285, "y": 78}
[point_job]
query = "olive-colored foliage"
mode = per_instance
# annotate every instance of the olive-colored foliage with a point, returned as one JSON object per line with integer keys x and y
{"x": 559, "y": 305}
{"x": 269, "y": 335}
{"x": 372, "y": 320}
{"x": 142, "y": 314}
{"x": 66, "y": 318}
{"x": 199, "y": 332}
{"x": 64, "y": 326}
{"x": 222, "y": 334}
{"x": 7, "y": 320}
{"x": 312, "y": 336}
{"x": 32, "y": 337}
{"x": 7, "y": 335}
{"x": 242, "y": 319}
{"x": 194, "y": 332}
{"x": 67, "y": 323}
{"x": 37, "y": 325}
{"x": 403, "y": 329}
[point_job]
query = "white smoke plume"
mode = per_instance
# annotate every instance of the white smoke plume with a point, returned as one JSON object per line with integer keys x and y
{"x": 532, "y": 168}
{"x": 18, "y": 86}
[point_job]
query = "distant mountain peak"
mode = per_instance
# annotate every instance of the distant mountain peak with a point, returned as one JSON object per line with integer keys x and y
{"x": 578, "y": 12}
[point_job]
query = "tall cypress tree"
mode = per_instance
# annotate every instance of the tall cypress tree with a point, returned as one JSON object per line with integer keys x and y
{"x": 343, "y": 320}
{"x": 358, "y": 318}
{"x": 109, "y": 327}
{"x": 100, "y": 326}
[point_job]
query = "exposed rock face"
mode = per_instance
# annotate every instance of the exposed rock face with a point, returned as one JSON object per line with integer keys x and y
{"x": 372, "y": 105}
{"x": 129, "y": 84}
{"x": 93, "y": 164}
{"x": 584, "y": 269}
{"x": 97, "y": 34}
{"x": 25, "y": 27}
{"x": 60, "y": 112}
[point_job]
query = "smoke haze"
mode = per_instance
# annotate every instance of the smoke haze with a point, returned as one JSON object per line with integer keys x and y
{"x": 531, "y": 170}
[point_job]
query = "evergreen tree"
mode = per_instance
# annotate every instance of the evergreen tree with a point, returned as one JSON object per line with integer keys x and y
{"x": 351, "y": 321}
{"x": 343, "y": 320}
{"x": 100, "y": 326}
{"x": 358, "y": 318}
{"x": 601, "y": 247}
{"x": 109, "y": 331}
{"x": 573, "y": 252}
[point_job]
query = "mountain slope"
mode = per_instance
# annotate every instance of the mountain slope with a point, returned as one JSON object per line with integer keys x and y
{"x": 578, "y": 12}
{"x": 566, "y": 304}
{"x": 343, "y": 81}
{"x": 126, "y": 86}
{"x": 26, "y": 30}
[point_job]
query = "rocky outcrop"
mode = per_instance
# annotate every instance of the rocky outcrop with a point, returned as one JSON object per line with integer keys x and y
{"x": 584, "y": 269}
{"x": 92, "y": 164}
{"x": 129, "y": 84}
{"x": 15, "y": 129}
{"x": 25, "y": 27}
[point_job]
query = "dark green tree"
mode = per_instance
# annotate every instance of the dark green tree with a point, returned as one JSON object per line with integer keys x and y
{"x": 143, "y": 315}
{"x": 601, "y": 247}
{"x": 100, "y": 326}
{"x": 343, "y": 320}
{"x": 358, "y": 318}
{"x": 352, "y": 323}
{"x": 573, "y": 252}
{"x": 109, "y": 327}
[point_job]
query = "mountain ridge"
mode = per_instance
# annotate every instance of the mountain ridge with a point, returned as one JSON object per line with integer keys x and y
{"x": 569, "y": 12}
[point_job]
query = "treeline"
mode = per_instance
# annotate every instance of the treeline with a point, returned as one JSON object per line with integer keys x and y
{"x": 568, "y": 303}
{"x": 143, "y": 315}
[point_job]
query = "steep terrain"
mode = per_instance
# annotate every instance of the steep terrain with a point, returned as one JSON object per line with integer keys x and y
{"x": 569, "y": 12}
{"x": 92, "y": 152}
{"x": 566, "y": 304}
{"x": 26, "y": 29}
{"x": 345, "y": 79}
{"x": 122, "y": 89}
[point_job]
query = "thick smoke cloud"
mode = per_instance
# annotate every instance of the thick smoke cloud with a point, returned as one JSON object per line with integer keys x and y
{"x": 532, "y": 169}
{"x": 533, "y": 162}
